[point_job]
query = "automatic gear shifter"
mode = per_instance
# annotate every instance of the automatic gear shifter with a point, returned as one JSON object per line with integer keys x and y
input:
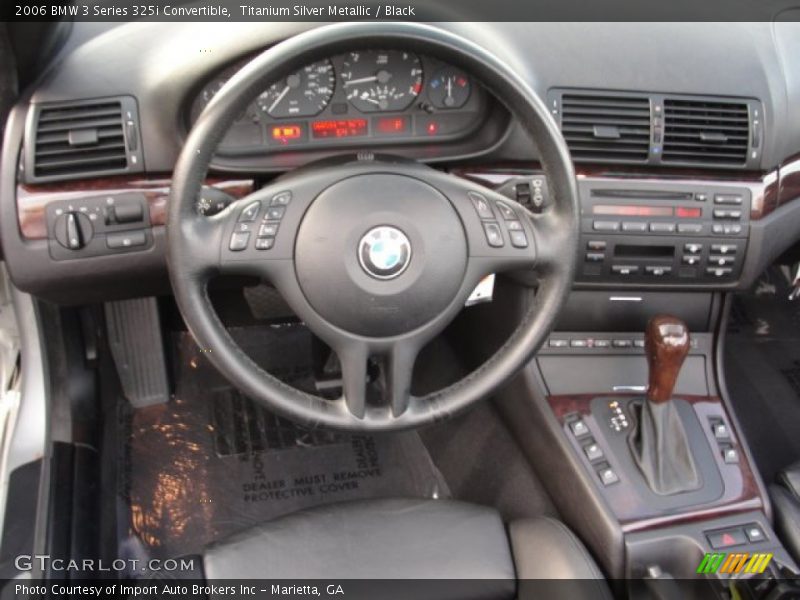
{"x": 658, "y": 442}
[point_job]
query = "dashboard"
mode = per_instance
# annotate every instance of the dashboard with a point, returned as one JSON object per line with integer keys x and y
{"x": 357, "y": 99}
{"x": 685, "y": 138}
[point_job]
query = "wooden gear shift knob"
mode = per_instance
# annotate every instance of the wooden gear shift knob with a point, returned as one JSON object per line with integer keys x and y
{"x": 667, "y": 344}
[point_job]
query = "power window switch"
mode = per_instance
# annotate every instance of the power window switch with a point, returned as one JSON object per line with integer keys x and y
{"x": 607, "y": 476}
{"x": 720, "y": 430}
{"x": 579, "y": 428}
{"x": 730, "y": 455}
{"x": 593, "y": 451}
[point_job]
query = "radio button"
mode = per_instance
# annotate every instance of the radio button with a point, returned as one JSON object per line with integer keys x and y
{"x": 701, "y": 197}
{"x": 728, "y": 199}
{"x": 691, "y": 260}
{"x": 624, "y": 269}
{"x": 693, "y": 248}
{"x": 596, "y": 245}
{"x": 606, "y": 225}
{"x": 634, "y": 226}
{"x": 595, "y": 257}
{"x": 690, "y": 227}
{"x": 719, "y": 229}
{"x": 722, "y": 261}
{"x": 657, "y": 271}
{"x": 662, "y": 227}
{"x": 733, "y": 215}
{"x": 723, "y": 248}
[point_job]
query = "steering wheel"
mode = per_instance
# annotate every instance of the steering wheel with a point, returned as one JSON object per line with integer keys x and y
{"x": 375, "y": 255}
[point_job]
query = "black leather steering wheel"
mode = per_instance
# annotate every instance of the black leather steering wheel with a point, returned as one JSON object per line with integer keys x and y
{"x": 375, "y": 255}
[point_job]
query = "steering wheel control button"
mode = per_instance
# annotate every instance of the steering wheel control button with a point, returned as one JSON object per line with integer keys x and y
{"x": 250, "y": 212}
{"x": 518, "y": 239}
{"x": 281, "y": 199}
{"x": 268, "y": 229}
{"x": 239, "y": 241}
{"x": 481, "y": 205}
{"x": 265, "y": 243}
{"x": 494, "y": 237}
{"x": 127, "y": 239}
{"x": 507, "y": 212}
{"x": 384, "y": 252}
{"x": 275, "y": 213}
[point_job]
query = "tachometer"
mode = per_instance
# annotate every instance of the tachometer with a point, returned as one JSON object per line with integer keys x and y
{"x": 302, "y": 94}
{"x": 381, "y": 81}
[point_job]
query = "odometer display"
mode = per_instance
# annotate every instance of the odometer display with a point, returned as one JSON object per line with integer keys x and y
{"x": 381, "y": 81}
{"x": 302, "y": 94}
{"x": 339, "y": 128}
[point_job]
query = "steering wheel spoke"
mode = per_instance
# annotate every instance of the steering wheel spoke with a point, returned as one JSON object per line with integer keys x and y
{"x": 353, "y": 357}
{"x": 398, "y": 367}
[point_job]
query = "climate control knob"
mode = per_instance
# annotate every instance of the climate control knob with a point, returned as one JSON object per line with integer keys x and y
{"x": 73, "y": 230}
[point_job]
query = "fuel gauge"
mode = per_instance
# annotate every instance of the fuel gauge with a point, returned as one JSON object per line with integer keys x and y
{"x": 449, "y": 88}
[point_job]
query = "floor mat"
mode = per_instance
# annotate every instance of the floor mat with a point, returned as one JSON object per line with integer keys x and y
{"x": 762, "y": 367}
{"x": 211, "y": 462}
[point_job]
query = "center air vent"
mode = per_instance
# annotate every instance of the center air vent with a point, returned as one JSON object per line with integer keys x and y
{"x": 79, "y": 139}
{"x": 706, "y": 132}
{"x": 606, "y": 127}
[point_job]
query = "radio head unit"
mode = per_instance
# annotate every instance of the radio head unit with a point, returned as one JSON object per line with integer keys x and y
{"x": 662, "y": 232}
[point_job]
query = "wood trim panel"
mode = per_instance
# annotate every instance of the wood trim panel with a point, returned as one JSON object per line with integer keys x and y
{"x": 32, "y": 199}
{"x": 741, "y": 488}
{"x": 768, "y": 190}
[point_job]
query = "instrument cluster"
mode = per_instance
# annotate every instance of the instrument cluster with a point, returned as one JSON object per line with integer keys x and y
{"x": 372, "y": 97}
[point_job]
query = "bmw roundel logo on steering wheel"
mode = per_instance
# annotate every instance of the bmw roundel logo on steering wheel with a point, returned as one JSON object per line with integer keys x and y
{"x": 384, "y": 252}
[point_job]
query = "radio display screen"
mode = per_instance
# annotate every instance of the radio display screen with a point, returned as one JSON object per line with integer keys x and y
{"x": 639, "y": 210}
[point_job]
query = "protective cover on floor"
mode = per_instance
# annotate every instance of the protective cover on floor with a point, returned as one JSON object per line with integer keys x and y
{"x": 210, "y": 462}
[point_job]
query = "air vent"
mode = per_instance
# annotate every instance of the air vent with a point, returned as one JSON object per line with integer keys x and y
{"x": 89, "y": 138}
{"x": 606, "y": 128}
{"x": 706, "y": 132}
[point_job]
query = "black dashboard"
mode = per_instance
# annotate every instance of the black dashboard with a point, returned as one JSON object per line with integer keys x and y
{"x": 665, "y": 123}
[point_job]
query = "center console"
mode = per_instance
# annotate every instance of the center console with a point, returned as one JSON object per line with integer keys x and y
{"x": 649, "y": 246}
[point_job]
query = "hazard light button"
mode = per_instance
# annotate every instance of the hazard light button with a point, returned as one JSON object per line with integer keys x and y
{"x": 726, "y": 538}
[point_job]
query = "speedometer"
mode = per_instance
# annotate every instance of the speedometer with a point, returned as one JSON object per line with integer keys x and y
{"x": 381, "y": 81}
{"x": 302, "y": 94}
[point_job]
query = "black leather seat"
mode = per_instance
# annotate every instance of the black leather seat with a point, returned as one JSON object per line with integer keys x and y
{"x": 785, "y": 495}
{"x": 412, "y": 539}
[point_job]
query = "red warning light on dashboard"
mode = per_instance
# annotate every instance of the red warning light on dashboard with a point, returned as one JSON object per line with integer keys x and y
{"x": 339, "y": 128}
{"x": 392, "y": 125}
{"x": 284, "y": 133}
{"x": 432, "y": 128}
